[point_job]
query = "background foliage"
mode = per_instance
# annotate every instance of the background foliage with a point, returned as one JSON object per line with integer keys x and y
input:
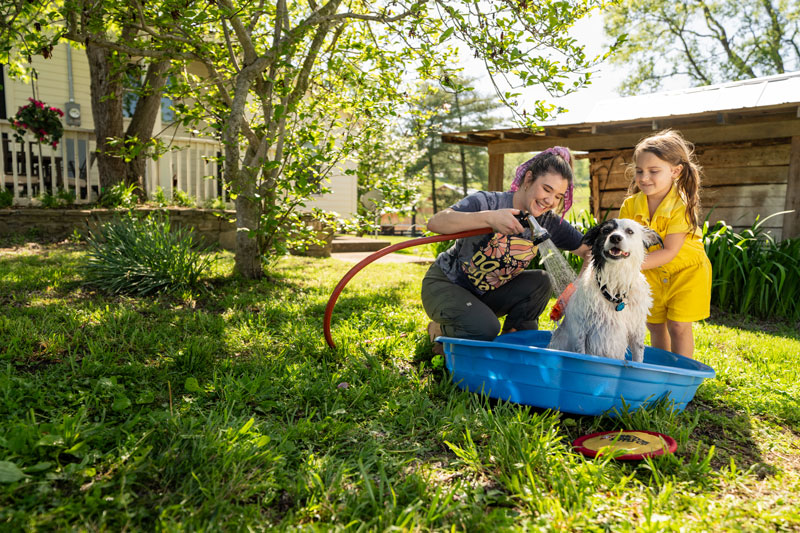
{"x": 702, "y": 41}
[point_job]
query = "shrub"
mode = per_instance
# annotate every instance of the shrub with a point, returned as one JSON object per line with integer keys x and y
{"x": 143, "y": 256}
{"x": 6, "y": 198}
{"x": 62, "y": 198}
{"x": 118, "y": 195}
{"x": 754, "y": 274}
{"x": 160, "y": 197}
{"x": 182, "y": 199}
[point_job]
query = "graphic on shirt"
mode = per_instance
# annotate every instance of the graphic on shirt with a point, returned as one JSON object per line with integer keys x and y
{"x": 499, "y": 261}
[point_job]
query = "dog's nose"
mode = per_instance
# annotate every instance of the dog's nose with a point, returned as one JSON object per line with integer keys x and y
{"x": 615, "y": 238}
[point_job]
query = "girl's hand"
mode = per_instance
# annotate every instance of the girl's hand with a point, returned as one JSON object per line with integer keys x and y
{"x": 504, "y": 221}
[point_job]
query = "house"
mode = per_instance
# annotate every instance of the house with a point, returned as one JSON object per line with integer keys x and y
{"x": 63, "y": 82}
{"x": 746, "y": 136}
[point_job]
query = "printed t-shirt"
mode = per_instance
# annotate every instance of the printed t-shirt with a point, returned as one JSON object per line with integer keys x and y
{"x": 669, "y": 217}
{"x": 485, "y": 262}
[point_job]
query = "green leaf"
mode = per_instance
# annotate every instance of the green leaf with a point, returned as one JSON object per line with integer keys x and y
{"x": 447, "y": 33}
{"x": 145, "y": 397}
{"x": 10, "y": 473}
{"x": 247, "y": 425}
{"x": 39, "y": 467}
{"x": 192, "y": 385}
{"x": 51, "y": 440}
{"x": 121, "y": 403}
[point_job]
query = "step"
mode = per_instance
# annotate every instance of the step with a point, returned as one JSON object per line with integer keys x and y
{"x": 349, "y": 243}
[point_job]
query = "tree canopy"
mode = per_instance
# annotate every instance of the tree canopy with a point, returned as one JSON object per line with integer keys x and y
{"x": 706, "y": 41}
{"x": 292, "y": 88}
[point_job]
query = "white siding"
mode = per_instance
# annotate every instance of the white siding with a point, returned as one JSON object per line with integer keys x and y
{"x": 185, "y": 168}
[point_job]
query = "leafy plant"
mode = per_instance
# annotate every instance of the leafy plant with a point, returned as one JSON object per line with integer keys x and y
{"x": 118, "y": 195}
{"x": 61, "y": 198}
{"x": 143, "y": 256}
{"x": 160, "y": 198}
{"x": 182, "y": 199}
{"x": 6, "y": 198}
{"x": 42, "y": 121}
{"x": 754, "y": 274}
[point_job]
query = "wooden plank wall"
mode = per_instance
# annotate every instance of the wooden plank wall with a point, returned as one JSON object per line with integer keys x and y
{"x": 741, "y": 181}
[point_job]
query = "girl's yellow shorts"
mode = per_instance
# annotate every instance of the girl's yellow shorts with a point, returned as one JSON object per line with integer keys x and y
{"x": 681, "y": 296}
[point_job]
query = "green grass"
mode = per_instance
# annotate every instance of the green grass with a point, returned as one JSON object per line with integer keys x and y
{"x": 226, "y": 411}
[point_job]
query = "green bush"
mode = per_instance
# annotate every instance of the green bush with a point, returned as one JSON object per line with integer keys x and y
{"x": 143, "y": 256}
{"x": 118, "y": 195}
{"x": 754, "y": 274}
{"x": 182, "y": 199}
{"x": 6, "y": 198}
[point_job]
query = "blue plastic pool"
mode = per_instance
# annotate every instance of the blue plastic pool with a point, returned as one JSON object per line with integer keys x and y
{"x": 518, "y": 367}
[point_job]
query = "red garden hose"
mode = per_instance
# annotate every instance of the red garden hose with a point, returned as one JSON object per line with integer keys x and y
{"x": 380, "y": 253}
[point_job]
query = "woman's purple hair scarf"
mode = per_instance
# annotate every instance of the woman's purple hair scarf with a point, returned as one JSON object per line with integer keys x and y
{"x": 523, "y": 168}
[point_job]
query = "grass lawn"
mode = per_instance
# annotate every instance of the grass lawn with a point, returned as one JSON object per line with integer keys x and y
{"x": 225, "y": 410}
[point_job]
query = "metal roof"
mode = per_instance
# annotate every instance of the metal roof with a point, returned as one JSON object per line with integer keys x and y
{"x": 724, "y": 97}
{"x": 733, "y": 106}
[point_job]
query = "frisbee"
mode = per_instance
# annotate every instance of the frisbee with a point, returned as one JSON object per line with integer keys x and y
{"x": 634, "y": 445}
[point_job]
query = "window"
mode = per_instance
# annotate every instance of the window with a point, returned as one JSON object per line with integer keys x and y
{"x": 133, "y": 85}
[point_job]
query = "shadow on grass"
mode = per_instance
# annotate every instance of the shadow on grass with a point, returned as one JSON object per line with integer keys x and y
{"x": 777, "y": 327}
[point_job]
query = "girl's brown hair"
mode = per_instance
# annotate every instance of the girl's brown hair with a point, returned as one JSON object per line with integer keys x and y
{"x": 670, "y": 146}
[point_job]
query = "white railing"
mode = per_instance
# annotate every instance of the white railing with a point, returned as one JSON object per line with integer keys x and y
{"x": 191, "y": 167}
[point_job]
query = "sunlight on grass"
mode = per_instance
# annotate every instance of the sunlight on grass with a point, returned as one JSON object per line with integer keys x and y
{"x": 225, "y": 409}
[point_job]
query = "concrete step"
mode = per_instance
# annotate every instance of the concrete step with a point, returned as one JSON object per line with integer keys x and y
{"x": 350, "y": 243}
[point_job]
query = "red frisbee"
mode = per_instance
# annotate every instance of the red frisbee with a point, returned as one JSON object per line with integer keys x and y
{"x": 634, "y": 445}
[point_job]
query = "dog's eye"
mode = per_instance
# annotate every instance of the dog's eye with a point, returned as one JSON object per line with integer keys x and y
{"x": 629, "y": 231}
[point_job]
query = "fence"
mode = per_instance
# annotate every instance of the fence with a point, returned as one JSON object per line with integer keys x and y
{"x": 30, "y": 170}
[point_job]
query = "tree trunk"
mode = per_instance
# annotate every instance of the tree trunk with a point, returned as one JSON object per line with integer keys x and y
{"x": 106, "y": 88}
{"x": 461, "y": 148}
{"x": 144, "y": 118}
{"x": 247, "y": 259}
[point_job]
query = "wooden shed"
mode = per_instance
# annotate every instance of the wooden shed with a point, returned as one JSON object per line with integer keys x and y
{"x": 746, "y": 136}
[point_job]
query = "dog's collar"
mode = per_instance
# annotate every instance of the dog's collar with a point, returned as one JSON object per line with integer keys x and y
{"x": 618, "y": 300}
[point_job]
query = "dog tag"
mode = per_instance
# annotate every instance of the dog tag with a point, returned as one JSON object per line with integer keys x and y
{"x": 620, "y": 306}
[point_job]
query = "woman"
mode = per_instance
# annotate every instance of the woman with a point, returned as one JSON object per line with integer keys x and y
{"x": 482, "y": 278}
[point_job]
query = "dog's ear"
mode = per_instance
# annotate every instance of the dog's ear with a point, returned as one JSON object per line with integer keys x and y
{"x": 592, "y": 234}
{"x": 651, "y": 238}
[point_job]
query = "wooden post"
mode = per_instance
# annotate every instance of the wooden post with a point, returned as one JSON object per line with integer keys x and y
{"x": 495, "y": 172}
{"x": 791, "y": 221}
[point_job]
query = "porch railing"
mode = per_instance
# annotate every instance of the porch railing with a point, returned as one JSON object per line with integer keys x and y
{"x": 30, "y": 170}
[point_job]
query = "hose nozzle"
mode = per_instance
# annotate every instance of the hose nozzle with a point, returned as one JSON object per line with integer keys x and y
{"x": 539, "y": 233}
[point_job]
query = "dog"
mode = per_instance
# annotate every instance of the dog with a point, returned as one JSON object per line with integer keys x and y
{"x": 607, "y": 313}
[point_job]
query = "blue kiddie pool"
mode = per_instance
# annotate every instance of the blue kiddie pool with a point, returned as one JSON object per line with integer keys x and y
{"x": 518, "y": 367}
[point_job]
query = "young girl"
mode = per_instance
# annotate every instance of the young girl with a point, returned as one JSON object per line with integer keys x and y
{"x": 481, "y": 278}
{"x": 667, "y": 178}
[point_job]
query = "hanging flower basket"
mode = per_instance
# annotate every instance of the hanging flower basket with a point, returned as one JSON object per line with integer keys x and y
{"x": 42, "y": 121}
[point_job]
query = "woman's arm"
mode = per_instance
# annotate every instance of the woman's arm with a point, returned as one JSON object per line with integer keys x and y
{"x": 672, "y": 245}
{"x": 500, "y": 220}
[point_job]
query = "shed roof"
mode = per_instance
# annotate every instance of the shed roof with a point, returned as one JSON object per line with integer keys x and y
{"x": 732, "y": 96}
{"x": 621, "y": 122}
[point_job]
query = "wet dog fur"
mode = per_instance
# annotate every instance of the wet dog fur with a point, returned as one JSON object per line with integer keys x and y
{"x": 592, "y": 324}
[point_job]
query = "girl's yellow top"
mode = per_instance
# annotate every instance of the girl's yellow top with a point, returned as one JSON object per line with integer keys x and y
{"x": 670, "y": 217}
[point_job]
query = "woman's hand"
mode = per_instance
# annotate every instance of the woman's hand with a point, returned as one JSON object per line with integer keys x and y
{"x": 504, "y": 221}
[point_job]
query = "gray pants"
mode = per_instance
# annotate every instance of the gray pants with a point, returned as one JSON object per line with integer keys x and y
{"x": 464, "y": 315}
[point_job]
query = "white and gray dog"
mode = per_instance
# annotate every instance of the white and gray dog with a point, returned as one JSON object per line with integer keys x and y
{"x": 608, "y": 311}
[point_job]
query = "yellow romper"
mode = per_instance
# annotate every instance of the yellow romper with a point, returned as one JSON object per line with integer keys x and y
{"x": 681, "y": 288}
